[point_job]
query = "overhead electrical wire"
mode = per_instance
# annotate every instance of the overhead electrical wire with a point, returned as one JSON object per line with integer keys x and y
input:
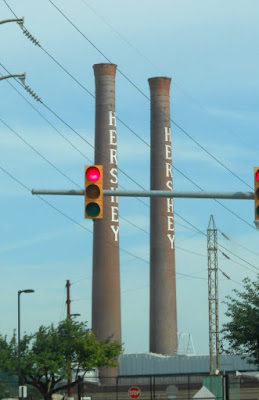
{"x": 18, "y": 181}
{"x": 77, "y": 223}
{"x": 238, "y": 244}
{"x": 224, "y": 206}
{"x": 148, "y": 98}
{"x": 122, "y": 37}
{"x": 71, "y": 219}
{"x": 128, "y": 79}
{"x": 140, "y": 53}
{"x": 48, "y": 122}
{"x": 57, "y": 169}
{"x": 73, "y": 130}
{"x": 240, "y": 258}
{"x": 65, "y": 215}
{"x": 38, "y": 153}
{"x": 117, "y": 118}
{"x": 64, "y": 137}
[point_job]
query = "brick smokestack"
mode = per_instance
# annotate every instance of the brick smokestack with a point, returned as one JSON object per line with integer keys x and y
{"x": 106, "y": 305}
{"x": 163, "y": 317}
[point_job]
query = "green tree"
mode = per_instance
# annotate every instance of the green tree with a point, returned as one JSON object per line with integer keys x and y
{"x": 46, "y": 355}
{"x": 242, "y": 331}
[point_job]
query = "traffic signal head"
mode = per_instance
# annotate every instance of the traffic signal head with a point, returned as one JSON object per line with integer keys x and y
{"x": 93, "y": 191}
{"x": 256, "y": 181}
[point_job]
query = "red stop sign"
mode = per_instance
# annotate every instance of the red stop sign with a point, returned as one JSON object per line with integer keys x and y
{"x": 134, "y": 392}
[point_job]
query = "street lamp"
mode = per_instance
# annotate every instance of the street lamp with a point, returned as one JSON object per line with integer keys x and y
{"x": 19, "y": 333}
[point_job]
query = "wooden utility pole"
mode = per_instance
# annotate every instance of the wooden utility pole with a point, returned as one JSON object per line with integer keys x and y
{"x": 68, "y": 301}
{"x": 68, "y": 298}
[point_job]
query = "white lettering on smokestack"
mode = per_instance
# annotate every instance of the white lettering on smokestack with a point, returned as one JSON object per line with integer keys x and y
{"x": 113, "y": 137}
{"x": 167, "y": 134}
{"x": 112, "y": 118}
{"x": 113, "y": 174}
{"x": 169, "y": 184}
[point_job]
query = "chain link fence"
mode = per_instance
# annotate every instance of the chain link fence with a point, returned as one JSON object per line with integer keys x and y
{"x": 151, "y": 387}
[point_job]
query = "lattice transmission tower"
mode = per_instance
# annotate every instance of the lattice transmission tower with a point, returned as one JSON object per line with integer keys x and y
{"x": 212, "y": 246}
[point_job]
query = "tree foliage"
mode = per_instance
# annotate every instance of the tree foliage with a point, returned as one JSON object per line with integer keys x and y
{"x": 46, "y": 355}
{"x": 242, "y": 331}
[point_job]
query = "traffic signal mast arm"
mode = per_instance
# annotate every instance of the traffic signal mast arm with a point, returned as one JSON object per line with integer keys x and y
{"x": 154, "y": 193}
{"x": 94, "y": 193}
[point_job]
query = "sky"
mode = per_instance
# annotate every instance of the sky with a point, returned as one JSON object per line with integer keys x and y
{"x": 210, "y": 50}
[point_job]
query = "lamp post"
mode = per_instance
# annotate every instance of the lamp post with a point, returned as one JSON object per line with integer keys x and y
{"x": 19, "y": 334}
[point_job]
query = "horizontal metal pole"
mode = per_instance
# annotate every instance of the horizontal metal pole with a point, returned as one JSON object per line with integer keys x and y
{"x": 59, "y": 192}
{"x": 21, "y": 76}
{"x": 154, "y": 193}
{"x": 18, "y": 20}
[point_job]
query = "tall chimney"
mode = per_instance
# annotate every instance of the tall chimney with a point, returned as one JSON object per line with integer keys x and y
{"x": 106, "y": 305}
{"x": 163, "y": 318}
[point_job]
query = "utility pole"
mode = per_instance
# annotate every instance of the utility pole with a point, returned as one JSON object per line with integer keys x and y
{"x": 68, "y": 298}
{"x": 69, "y": 381}
{"x": 212, "y": 246}
{"x": 69, "y": 315}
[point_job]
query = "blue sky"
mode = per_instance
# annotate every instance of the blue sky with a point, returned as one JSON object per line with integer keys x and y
{"x": 210, "y": 50}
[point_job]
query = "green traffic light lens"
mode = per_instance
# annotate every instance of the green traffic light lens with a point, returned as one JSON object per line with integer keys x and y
{"x": 92, "y": 191}
{"x": 257, "y": 211}
{"x": 92, "y": 209}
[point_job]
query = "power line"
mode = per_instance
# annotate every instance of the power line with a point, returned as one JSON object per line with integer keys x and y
{"x": 45, "y": 119}
{"x": 65, "y": 215}
{"x": 38, "y": 153}
{"x": 71, "y": 128}
{"x": 147, "y": 97}
{"x": 238, "y": 244}
{"x": 130, "y": 128}
{"x": 122, "y": 36}
{"x": 240, "y": 258}
{"x": 179, "y": 127}
{"x": 140, "y": 53}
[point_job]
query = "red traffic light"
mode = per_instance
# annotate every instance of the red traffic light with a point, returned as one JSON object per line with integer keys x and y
{"x": 93, "y": 174}
{"x": 257, "y": 175}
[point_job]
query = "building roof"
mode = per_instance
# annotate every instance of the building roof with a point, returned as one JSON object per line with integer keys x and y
{"x": 157, "y": 364}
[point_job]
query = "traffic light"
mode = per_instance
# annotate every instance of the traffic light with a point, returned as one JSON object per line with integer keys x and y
{"x": 93, "y": 191}
{"x": 256, "y": 179}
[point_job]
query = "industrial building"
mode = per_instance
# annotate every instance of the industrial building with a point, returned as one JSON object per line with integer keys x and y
{"x": 155, "y": 376}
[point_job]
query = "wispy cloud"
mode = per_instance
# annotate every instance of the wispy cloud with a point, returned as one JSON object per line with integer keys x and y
{"x": 31, "y": 241}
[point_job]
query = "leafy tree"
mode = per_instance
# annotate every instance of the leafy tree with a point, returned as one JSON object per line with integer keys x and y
{"x": 46, "y": 355}
{"x": 242, "y": 331}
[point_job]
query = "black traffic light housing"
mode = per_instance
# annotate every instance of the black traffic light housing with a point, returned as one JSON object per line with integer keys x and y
{"x": 256, "y": 191}
{"x": 93, "y": 191}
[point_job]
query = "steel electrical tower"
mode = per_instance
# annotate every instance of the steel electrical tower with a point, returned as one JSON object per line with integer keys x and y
{"x": 212, "y": 245}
